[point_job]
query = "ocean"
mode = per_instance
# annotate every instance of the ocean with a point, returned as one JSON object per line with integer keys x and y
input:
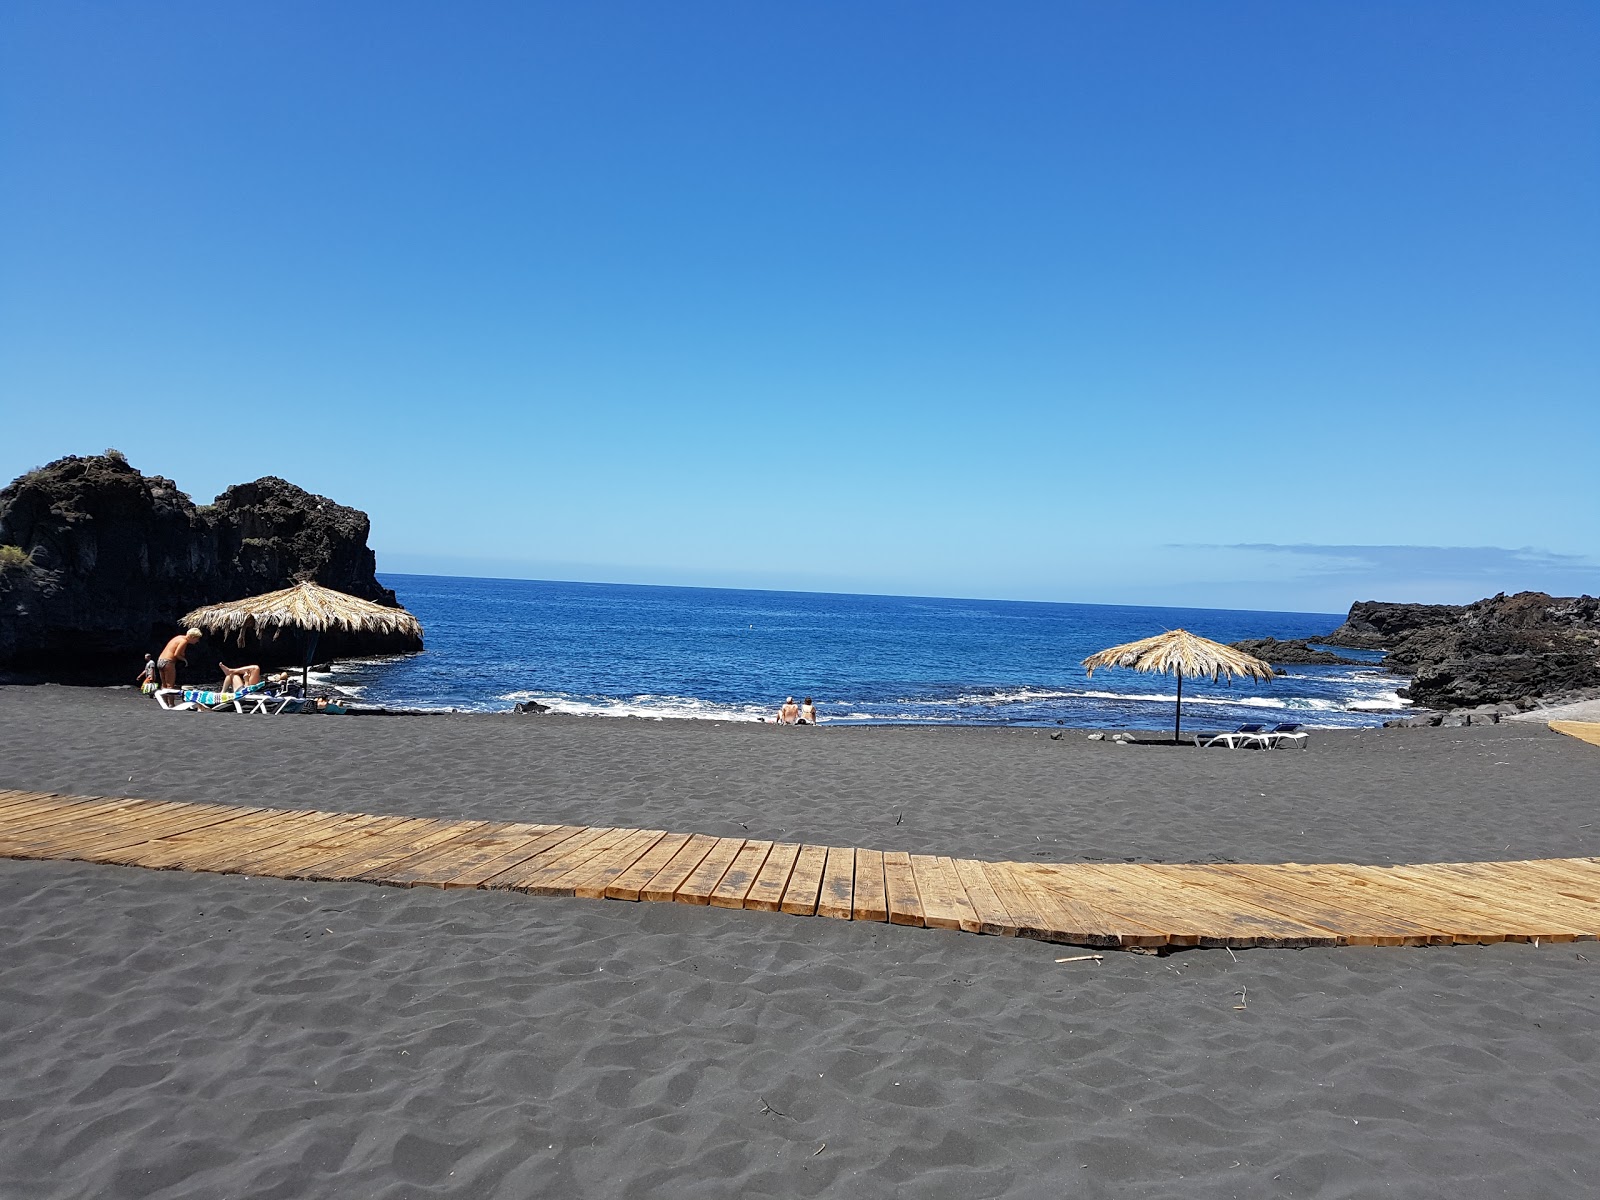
{"x": 622, "y": 650}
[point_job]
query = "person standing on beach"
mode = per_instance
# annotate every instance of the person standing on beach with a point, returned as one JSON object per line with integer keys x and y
{"x": 174, "y": 652}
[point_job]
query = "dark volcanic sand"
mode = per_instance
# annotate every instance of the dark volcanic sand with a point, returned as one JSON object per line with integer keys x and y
{"x": 169, "y": 1034}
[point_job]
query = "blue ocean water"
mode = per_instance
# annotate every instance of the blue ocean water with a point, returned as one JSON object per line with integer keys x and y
{"x": 626, "y": 650}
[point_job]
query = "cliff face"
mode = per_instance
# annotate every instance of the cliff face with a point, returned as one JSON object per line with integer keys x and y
{"x": 1505, "y": 648}
{"x": 97, "y": 562}
{"x": 1375, "y": 625}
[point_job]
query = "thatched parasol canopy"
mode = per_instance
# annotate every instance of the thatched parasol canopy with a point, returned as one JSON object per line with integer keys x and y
{"x": 308, "y": 609}
{"x": 1179, "y": 652}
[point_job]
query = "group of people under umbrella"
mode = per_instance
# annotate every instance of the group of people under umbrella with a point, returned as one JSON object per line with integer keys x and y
{"x": 288, "y": 623}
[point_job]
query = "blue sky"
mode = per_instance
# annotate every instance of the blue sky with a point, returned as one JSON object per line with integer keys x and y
{"x": 1269, "y": 306}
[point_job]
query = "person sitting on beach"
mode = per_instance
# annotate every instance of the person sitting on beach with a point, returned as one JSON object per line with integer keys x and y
{"x": 808, "y": 712}
{"x": 789, "y": 713}
{"x": 175, "y": 652}
{"x": 236, "y": 679}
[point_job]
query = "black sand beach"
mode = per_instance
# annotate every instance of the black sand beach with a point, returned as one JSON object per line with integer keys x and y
{"x": 184, "y": 1035}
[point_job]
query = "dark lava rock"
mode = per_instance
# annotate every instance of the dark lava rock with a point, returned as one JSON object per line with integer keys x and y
{"x": 1297, "y": 652}
{"x": 98, "y": 562}
{"x": 1506, "y": 649}
{"x": 1375, "y": 625}
{"x": 530, "y": 707}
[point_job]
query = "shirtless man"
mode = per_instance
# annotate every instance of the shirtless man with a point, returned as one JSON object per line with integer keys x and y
{"x": 174, "y": 652}
{"x": 789, "y": 713}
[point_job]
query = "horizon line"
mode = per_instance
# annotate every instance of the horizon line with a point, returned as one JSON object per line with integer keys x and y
{"x": 691, "y": 587}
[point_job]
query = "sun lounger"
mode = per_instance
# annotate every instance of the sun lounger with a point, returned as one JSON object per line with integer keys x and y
{"x": 266, "y": 703}
{"x": 204, "y": 699}
{"x": 1241, "y": 736}
{"x": 1284, "y": 731}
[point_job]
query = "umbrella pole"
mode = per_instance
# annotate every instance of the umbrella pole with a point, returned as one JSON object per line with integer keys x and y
{"x": 1177, "y": 715}
{"x": 305, "y": 670}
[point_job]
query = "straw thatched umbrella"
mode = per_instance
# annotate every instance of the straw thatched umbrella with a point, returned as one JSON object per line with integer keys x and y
{"x": 1182, "y": 653}
{"x": 308, "y": 609}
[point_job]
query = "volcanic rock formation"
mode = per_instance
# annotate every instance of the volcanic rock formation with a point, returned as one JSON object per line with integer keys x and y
{"x": 1503, "y": 649}
{"x": 98, "y": 562}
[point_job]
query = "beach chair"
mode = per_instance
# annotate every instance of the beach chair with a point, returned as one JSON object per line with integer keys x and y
{"x": 1241, "y": 736}
{"x": 1284, "y": 731}
{"x": 266, "y": 703}
{"x": 209, "y": 701}
{"x": 172, "y": 700}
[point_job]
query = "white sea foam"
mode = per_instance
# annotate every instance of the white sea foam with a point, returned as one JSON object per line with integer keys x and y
{"x": 649, "y": 707}
{"x": 1386, "y": 702}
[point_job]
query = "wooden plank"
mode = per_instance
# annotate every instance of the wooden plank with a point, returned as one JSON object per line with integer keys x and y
{"x": 1353, "y": 887}
{"x": 870, "y": 902}
{"x": 54, "y": 820}
{"x": 539, "y": 864}
{"x": 547, "y": 880}
{"x": 9, "y": 797}
{"x": 598, "y": 875}
{"x": 703, "y": 879}
{"x": 1514, "y": 903}
{"x": 287, "y": 860}
{"x": 1425, "y": 903}
{"x": 1353, "y": 925}
{"x": 1573, "y": 879}
{"x": 29, "y": 804}
{"x": 385, "y": 834}
{"x": 944, "y": 898}
{"x": 83, "y": 814}
{"x": 805, "y": 882}
{"x": 905, "y": 905}
{"x": 74, "y": 837}
{"x": 494, "y": 850}
{"x": 741, "y": 876}
{"x": 299, "y": 848}
{"x": 110, "y": 827}
{"x": 837, "y": 898}
{"x": 25, "y": 804}
{"x": 993, "y": 917}
{"x": 1558, "y": 887}
{"x": 1070, "y": 911}
{"x": 1584, "y": 731}
{"x": 1177, "y": 897}
{"x": 137, "y": 846}
{"x": 428, "y": 860}
{"x": 202, "y": 851}
{"x": 665, "y": 882}
{"x": 766, "y": 893}
{"x": 1020, "y": 901}
{"x": 630, "y": 883}
{"x": 418, "y": 840}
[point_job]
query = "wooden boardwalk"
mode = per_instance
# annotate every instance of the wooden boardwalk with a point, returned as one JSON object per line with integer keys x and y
{"x": 1111, "y": 905}
{"x": 1584, "y": 731}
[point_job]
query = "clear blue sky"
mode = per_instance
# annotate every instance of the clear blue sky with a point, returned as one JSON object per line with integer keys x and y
{"x": 1258, "y": 305}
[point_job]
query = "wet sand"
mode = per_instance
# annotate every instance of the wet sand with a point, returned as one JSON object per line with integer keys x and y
{"x": 183, "y": 1035}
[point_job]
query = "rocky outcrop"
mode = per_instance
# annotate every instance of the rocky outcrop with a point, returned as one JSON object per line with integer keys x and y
{"x": 1295, "y": 652}
{"x": 97, "y": 563}
{"x": 1504, "y": 649}
{"x": 1375, "y": 625}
